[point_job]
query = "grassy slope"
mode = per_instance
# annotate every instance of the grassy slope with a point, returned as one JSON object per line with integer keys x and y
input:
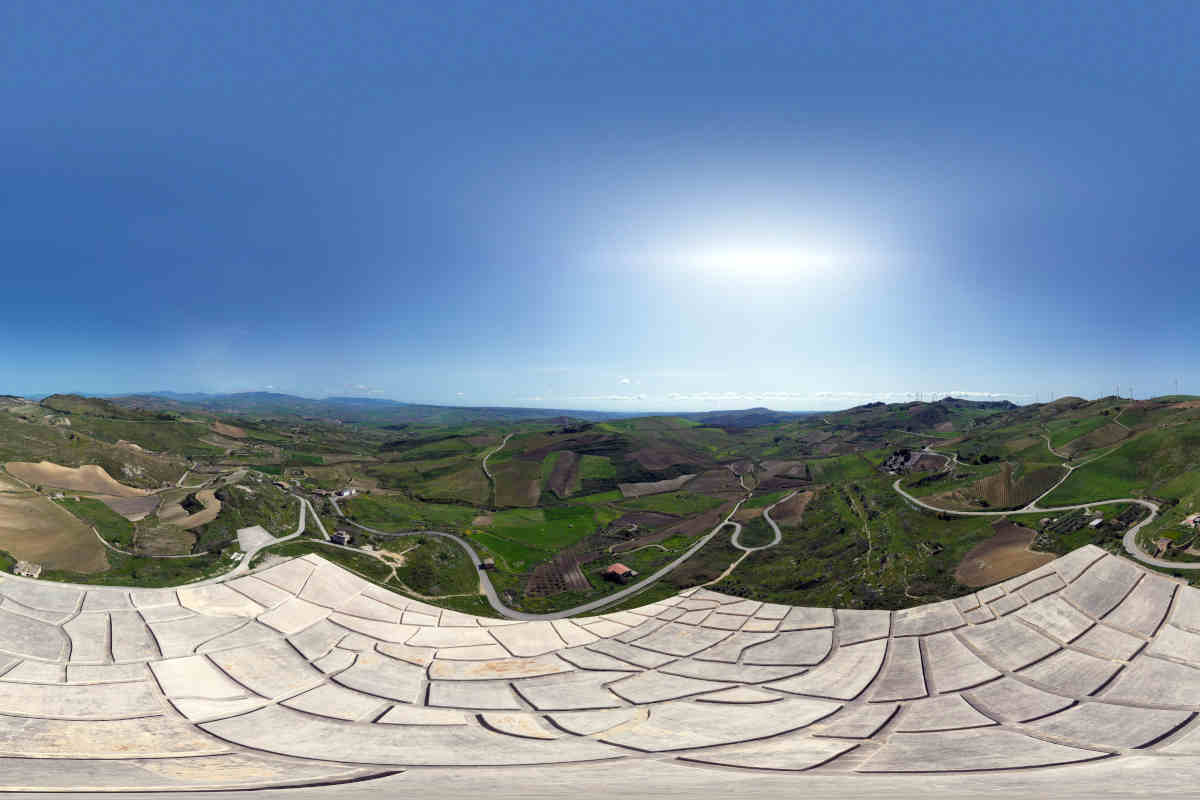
{"x": 436, "y": 567}
{"x": 681, "y": 502}
{"x": 115, "y": 529}
{"x": 1150, "y": 463}
{"x": 399, "y": 513}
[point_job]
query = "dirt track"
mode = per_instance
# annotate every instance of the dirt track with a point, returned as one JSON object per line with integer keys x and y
{"x": 88, "y": 478}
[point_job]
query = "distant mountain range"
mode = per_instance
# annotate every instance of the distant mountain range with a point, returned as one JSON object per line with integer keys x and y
{"x": 384, "y": 412}
{"x": 376, "y": 411}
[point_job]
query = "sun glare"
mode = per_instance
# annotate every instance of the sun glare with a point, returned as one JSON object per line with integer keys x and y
{"x": 766, "y": 261}
{"x": 780, "y": 262}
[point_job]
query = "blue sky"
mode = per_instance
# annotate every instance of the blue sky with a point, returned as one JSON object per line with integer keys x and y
{"x": 643, "y": 206}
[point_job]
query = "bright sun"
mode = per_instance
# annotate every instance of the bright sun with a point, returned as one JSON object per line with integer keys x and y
{"x": 765, "y": 261}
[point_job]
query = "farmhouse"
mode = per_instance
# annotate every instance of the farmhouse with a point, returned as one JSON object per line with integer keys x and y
{"x": 341, "y": 537}
{"x": 619, "y": 573}
{"x": 27, "y": 569}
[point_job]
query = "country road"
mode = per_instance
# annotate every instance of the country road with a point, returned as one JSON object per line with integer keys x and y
{"x": 1129, "y": 541}
{"x": 737, "y": 540}
{"x": 493, "y": 598}
{"x": 491, "y": 453}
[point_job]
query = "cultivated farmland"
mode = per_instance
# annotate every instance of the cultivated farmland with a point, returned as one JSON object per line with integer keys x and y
{"x": 88, "y": 478}
{"x": 38, "y": 530}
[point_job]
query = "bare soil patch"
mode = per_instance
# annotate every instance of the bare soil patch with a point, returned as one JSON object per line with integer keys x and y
{"x": 1003, "y": 556}
{"x": 133, "y": 509}
{"x": 163, "y": 540}
{"x": 661, "y": 456}
{"x": 789, "y": 512}
{"x": 785, "y": 469}
{"x": 35, "y": 529}
{"x": 927, "y": 462}
{"x": 1110, "y": 434}
{"x": 715, "y": 480}
{"x": 565, "y": 474}
{"x": 232, "y": 431}
{"x": 482, "y": 521}
{"x": 643, "y": 520}
{"x": 175, "y": 514}
{"x": 655, "y": 487}
{"x": 88, "y": 478}
{"x": 518, "y": 482}
{"x": 747, "y": 514}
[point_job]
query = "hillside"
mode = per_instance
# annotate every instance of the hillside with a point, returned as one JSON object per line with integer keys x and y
{"x": 95, "y": 406}
{"x": 561, "y": 496}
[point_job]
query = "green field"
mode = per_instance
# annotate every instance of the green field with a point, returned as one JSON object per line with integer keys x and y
{"x": 1151, "y": 463}
{"x": 115, "y": 529}
{"x": 841, "y": 468}
{"x": 756, "y": 533}
{"x": 549, "y": 529}
{"x": 1068, "y": 430}
{"x": 398, "y": 513}
{"x": 681, "y": 502}
{"x": 510, "y": 556}
{"x": 596, "y": 468}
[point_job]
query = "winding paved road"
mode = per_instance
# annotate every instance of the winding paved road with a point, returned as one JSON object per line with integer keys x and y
{"x": 1129, "y": 541}
{"x": 493, "y": 597}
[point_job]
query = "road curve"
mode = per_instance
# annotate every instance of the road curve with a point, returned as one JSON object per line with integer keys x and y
{"x": 493, "y": 597}
{"x": 1129, "y": 541}
{"x": 491, "y": 453}
{"x": 736, "y": 539}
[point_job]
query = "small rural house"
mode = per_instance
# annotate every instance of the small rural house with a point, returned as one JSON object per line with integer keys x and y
{"x": 619, "y": 573}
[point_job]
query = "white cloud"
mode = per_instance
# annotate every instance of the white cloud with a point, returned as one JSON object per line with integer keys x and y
{"x": 458, "y": 394}
{"x": 928, "y": 394}
{"x": 616, "y": 398}
{"x": 739, "y": 396}
{"x": 623, "y": 380}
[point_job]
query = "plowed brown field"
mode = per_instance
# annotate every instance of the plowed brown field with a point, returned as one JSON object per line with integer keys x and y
{"x": 1003, "y": 556}
{"x": 653, "y": 487}
{"x": 131, "y": 508}
{"x": 36, "y": 529}
{"x": 88, "y": 478}
{"x": 232, "y": 431}
{"x": 565, "y": 474}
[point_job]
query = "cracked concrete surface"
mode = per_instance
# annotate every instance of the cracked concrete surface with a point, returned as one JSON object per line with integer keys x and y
{"x": 1084, "y": 673}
